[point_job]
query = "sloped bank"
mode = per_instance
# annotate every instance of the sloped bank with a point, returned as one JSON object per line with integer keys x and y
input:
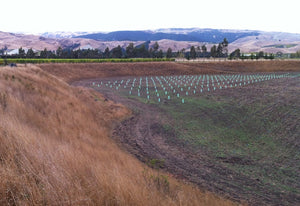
{"x": 55, "y": 149}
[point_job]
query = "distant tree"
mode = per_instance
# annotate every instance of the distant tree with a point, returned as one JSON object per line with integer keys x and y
{"x": 21, "y": 52}
{"x": 59, "y": 52}
{"x": 106, "y": 53}
{"x": 76, "y": 54}
{"x": 154, "y": 52}
{"x": 86, "y": 53}
{"x": 269, "y": 56}
{"x": 225, "y": 47}
{"x": 160, "y": 54}
{"x": 155, "y": 46}
{"x": 151, "y": 53}
{"x": 181, "y": 53}
{"x": 219, "y": 52}
{"x": 242, "y": 56}
{"x": 98, "y": 53}
{"x": 279, "y": 54}
{"x": 117, "y": 52}
{"x": 213, "y": 51}
{"x": 260, "y": 54}
{"x": 198, "y": 51}
{"x": 2, "y": 51}
{"x": 235, "y": 54}
{"x": 142, "y": 51}
{"x": 272, "y": 56}
{"x": 193, "y": 52}
{"x": 130, "y": 51}
{"x": 30, "y": 53}
{"x": 295, "y": 55}
{"x": 44, "y": 53}
{"x": 169, "y": 53}
{"x": 66, "y": 53}
{"x": 204, "y": 50}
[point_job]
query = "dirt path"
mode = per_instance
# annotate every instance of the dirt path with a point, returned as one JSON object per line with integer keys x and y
{"x": 143, "y": 136}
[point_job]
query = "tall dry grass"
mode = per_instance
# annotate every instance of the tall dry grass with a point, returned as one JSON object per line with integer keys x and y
{"x": 55, "y": 149}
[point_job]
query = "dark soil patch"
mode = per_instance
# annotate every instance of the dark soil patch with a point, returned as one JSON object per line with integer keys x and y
{"x": 236, "y": 160}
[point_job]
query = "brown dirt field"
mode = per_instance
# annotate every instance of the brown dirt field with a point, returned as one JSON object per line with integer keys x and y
{"x": 142, "y": 135}
{"x": 74, "y": 72}
{"x": 138, "y": 136}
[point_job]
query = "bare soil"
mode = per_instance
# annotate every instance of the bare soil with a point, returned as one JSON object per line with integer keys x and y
{"x": 143, "y": 135}
{"x": 75, "y": 72}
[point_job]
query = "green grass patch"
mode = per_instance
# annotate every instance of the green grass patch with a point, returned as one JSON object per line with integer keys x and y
{"x": 226, "y": 130}
{"x": 248, "y": 130}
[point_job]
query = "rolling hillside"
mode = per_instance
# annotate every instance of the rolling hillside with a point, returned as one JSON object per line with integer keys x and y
{"x": 174, "y": 38}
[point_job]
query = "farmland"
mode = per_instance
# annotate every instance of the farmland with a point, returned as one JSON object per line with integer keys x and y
{"x": 235, "y": 134}
{"x": 240, "y": 142}
{"x": 163, "y": 88}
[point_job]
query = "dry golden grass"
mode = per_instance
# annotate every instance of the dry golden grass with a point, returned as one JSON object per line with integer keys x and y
{"x": 55, "y": 149}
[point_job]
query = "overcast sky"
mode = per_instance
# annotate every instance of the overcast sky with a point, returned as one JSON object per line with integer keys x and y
{"x": 36, "y": 16}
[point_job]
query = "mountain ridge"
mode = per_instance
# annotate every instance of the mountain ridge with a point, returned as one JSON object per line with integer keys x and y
{"x": 174, "y": 38}
{"x": 197, "y": 35}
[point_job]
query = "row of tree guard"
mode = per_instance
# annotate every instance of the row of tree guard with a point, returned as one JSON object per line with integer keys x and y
{"x": 158, "y": 88}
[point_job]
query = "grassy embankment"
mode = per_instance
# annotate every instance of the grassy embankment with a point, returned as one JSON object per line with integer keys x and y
{"x": 55, "y": 149}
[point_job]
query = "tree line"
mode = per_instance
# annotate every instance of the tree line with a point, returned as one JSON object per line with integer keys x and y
{"x": 236, "y": 54}
{"x": 143, "y": 51}
{"x": 295, "y": 55}
{"x": 131, "y": 51}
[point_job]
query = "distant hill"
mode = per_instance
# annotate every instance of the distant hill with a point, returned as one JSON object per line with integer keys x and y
{"x": 63, "y": 34}
{"x": 15, "y": 41}
{"x": 174, "y": 38}
{"x": 197, "y": 35}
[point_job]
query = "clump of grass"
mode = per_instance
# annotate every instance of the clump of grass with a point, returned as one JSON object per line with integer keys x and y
{"x": 158, "y": 180}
